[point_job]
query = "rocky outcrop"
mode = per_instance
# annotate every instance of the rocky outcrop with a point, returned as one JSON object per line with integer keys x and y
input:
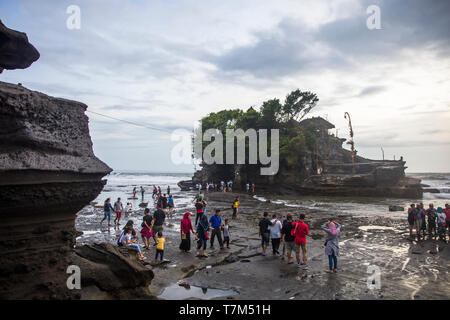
{"x": 368, "y": 179}
{"x": 326, "y": 171}
{"x": 48, "y": 172}
{"x": 111, "y": 272}
{"x": 15, "y": 50}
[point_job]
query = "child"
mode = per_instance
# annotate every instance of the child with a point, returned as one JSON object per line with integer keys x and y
{"x": 226, "y": 234}
{"x": 132, "y": 243}
{"x": 160, "y": 246}
{"x": 128, "y": 209}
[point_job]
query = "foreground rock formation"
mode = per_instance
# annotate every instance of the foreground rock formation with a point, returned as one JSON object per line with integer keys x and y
{"x": 15, "y": 50}
{"x": 48, "y": 172}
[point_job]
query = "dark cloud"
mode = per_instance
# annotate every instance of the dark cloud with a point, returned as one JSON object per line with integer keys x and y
{"x": 371, "y": 90}
{"x": 413, "y": 24}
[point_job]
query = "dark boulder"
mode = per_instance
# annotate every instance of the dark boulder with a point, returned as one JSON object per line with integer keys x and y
{"x": 15, "y": 50}
{"x": 396, "y": 208}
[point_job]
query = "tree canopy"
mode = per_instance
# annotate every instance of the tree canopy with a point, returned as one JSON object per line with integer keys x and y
{"x": 295, "y": 140}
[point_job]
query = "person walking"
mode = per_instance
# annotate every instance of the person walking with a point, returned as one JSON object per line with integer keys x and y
{"x": 418, "y": 215}
{"x": 447, "y": 217}
{"x": 147, "y": 226}
{"x": 118, "y": 208}
{"x": 216, "y": 225}
{"x": 301, "y": 230}
{"x": 198, "y": 210}
{"x": 160, "y": 246}
{"x": 186, "y": 229}
{"x": 411, "y": 219}
{"x": 235, "y": 207}
{"x": 171, "y": 206}
{"x": 332, "y": 229}
{"x": 287, "y": 238}
{"x": 142, "y": 193}
{"x": 264, "y": 232}
{"x": 159, "y": 216}
{"x": 431, "y": 215}
{"x": 441, "y": 221}
{"x": 275, "y": 234}
{"x": 202, "y": 236}
{"x": 107, "y": 208}
{"x": 226, "y": 233}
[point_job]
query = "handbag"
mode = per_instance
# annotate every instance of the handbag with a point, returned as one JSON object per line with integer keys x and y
{"x": 293, "y": 230}
{"x": 207, "y": 236}
{"x": 183, "y": 236}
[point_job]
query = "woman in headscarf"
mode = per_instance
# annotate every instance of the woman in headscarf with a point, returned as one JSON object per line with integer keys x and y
{"x": 332, "y": 243}
{"x": 186, "y": 229}
{"x": 202, "y": 235}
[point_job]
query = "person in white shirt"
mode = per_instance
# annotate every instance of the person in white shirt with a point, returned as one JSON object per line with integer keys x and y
{"x": 275, "y": 233}
{"x": 128, "y": 209}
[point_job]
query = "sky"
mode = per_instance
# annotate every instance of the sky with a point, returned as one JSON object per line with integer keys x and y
{"x": 168, "y": 63}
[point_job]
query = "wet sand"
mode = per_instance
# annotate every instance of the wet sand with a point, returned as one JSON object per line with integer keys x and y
{"x": 409, "y": 269}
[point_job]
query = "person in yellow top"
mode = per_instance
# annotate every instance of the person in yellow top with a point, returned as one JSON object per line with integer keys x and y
{"x": 235, "y": 207}
{"x": 160, "y": 246}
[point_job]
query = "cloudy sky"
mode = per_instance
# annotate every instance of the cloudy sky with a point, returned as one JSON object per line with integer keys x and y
{"x": 166, "y": 64}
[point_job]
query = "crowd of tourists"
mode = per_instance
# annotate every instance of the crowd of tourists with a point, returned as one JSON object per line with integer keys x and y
{"x": 223, "y": 186}
{"x": 288, "y": 236}
{"x": 292, "y": 235}
{"x": 432, "y": 222}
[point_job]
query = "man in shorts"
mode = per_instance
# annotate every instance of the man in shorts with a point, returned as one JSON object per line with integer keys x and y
{"x": 288, "y": 238}
{"x": 159, "y": 216}
{"x": 264, "y": 224}
{"x": 301, "y": 230}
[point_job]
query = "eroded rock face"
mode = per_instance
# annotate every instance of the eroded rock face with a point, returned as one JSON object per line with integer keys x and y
{"x": 15, "y": 50}
{"x": 111, "y": 272}
{"x": 48, "y": 172}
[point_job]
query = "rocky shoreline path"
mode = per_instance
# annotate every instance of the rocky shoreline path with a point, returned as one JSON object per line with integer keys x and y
{"x": 408, "y": 269}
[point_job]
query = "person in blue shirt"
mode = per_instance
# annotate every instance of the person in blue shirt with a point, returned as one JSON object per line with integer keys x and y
{"x": 216, "y": 226}
{"x": 171, "y": 206}
{"x": 107, "y": 207}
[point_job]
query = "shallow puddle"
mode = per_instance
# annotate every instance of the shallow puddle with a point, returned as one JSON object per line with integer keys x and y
{"x": 367, "y": 228}
{"x": 176, "y": 292}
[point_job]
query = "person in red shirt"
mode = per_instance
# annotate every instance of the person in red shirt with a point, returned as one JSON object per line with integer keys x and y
{"x": 447, "y": 214}
{"x": 300, "y": 232}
